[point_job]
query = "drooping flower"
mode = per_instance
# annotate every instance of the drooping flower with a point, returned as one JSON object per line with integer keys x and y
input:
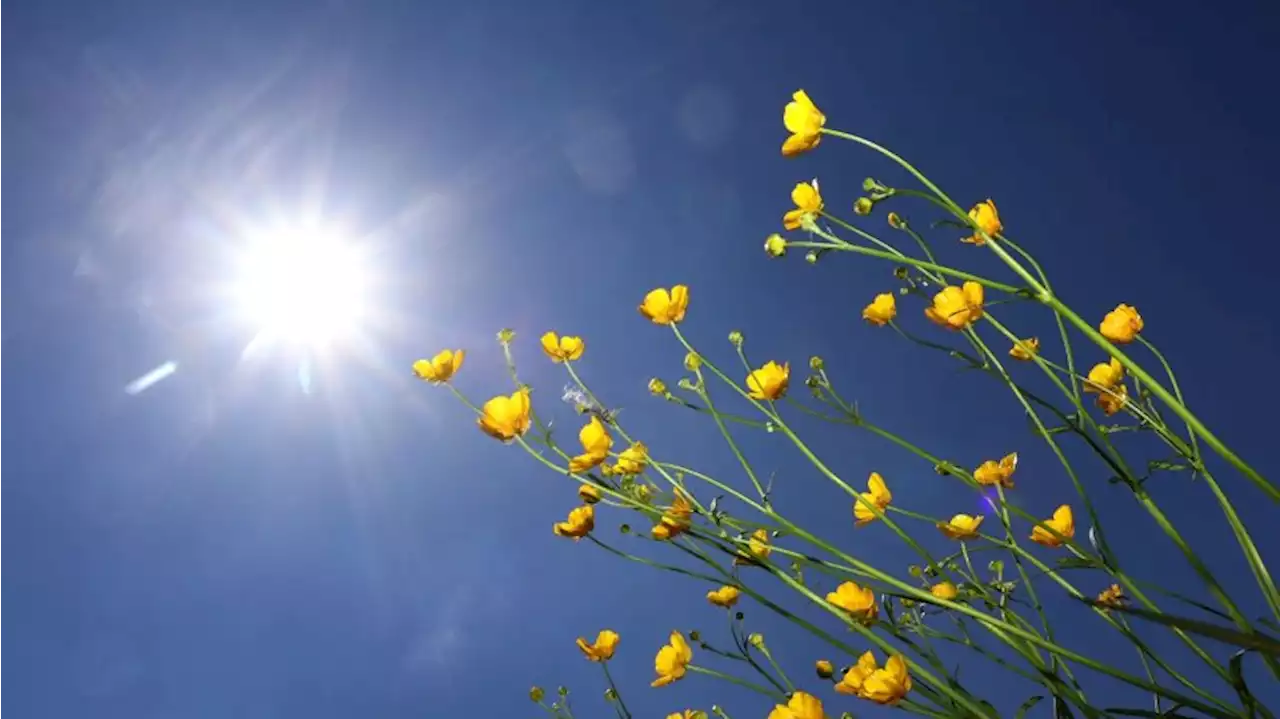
{"x": 1025, "y": 349}
{"x": 881, "y": 310}
{"x": 675, "y": 520}
{"x": 666, "y": 308}
{"x": 887, "y": 685}
{"x": 1122, "y": 324}
{"x": 956, "y": 307}
{"x": 961, "y": 526}
{"x": 775, "y": 245}
{"x": 562, "y": 349}
{"x": 801, "y": 705}
{"x": 440, "y": 368}
{"x": 877, "y": 493}
{"x": 631, "y": 460}
{"x": 506, "y": 418}
{"x": 589, "y": 493}
{"x": 858, "y": 601}
{"x": 804, "y": 121}
{"x": 808, "y": 202}
{"x": 579, "y": 524}
{"x": 770, "y": 381}
{"x": 985, "y": 217}
{"x": 944, "y": 590}
{"x": 1063, "y": 522}
{"x": 1112, "y": 596}
{"x": 1113, "y": 400}
{"x": 603, "y": 648}
{"x": 672, "y": 660}
{"x": 725, "y": 596}
{"x": 824, "y": 669}
{"x": 596, "y": 442}
{"x": 991, "y": 473}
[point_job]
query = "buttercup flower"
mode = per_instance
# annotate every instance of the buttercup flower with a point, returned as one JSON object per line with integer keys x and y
{"x": 882, "y": 309}
{"x": 666, "y": 308}
{"x": 944, "y": 590}
{"x": 506, "y": 418}
{"x": 1063, "y": 522}
{"x": 1113, "y": 401}
{"x": 858, "y": 601}
{"x": 956, "y": 307}
{"x": 725, "y": 596}
{"x": 602, "y": 650}
{"x": 562, "y": 349}
{"x": 984, "y": 215}
{"x": 672, "y": 660}
{"x": 596, "y": 442}
{"x": 801, "y": 705}
{"x": 757, "y": 548}
{"x": 775, "y": 245}
{"x": 588, "y": 493}
{"x": 688, "y": 714}
{"x": 1122, "y": 324}
{"x": 1025, "y": 349}
{"x": 441, "y": 367}
{"x": 991, "y": 472}
{"x": 1104, "y": 376}
{"x": 632, "y": 460}
{"x": 887, "y": 685}
{"x": 579, "y": 524}
{"x": 770, "y": 381}
{"x": 1112, "y": 596}
{"x": 804, "y": 121}
{"x": 824, "y": 669}
{"x": 877, "y": 493}
{"x": 657, "y": 387}
{"x": 961, "y": 526}
{"x": 675, "y": 520}
{"x": 808, "y": 202}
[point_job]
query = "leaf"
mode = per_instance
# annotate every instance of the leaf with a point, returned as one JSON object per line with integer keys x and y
{"x": 1236, "y": 670}
{"x": 1170, "y": 714}
{"x": 1157, "y": 465}
{"x": 1062, "y": 710}
{"x": 1255, "y": 641}
{"x": 1076, "y": 563}
{"x": 1116, "y": 428}
{"x": 1027, "y": 705}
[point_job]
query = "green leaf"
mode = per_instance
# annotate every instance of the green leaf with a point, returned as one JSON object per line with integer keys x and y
{"x": 1062, "y": 710}
{"x": 1255, "y": 641}
{"x": 1165, "y": 465}
{"x": 1027, "y": 705}
{"x": 1076, "y": 563}
{"x": 1172, "y": 713}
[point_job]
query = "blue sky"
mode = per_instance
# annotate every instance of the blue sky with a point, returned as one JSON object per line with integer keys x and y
{"x": 225, "y": 543}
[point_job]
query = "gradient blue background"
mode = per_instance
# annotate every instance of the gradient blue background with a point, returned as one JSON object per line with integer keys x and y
{"x": 226, "y": 544}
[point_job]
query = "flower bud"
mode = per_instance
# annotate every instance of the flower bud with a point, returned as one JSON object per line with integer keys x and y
{"x": 657, "y": 387}
{"x": 901, "y": 272}
{"x": 824, "y": 669}
{"x": 692, "y": 362}
{"x": 735, "y": 338}
{"x": 914, "y": 571}
{"x": 536, "y": 694}
{"x": 506, "y": 335}
{"x": 756, "y": 640}
{"x": 775, "y": 245}
{"x": 896, "y": 221}
{"x": 863, "y": 206}
{"x": 815, "y": 363}
{"x": 694, "y": 636}
{"x": 687, "y": 385}
{"x": 562, "y": 691}
{"x": 812, "y": 382}
{"x": 738, "y": 615}
{"x": 624, "y": 528}
{"x": 872, "y": 185}
{"x": 611, "y": 694}
{"x": 811, "y": 257}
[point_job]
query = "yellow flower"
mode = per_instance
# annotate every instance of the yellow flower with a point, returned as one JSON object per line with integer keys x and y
{"x": 1104, "y": 376}
{"x": 991, "y": 472}
{"x": 671, "y": 661}
{"x": 506, "y": 418}
{"x": 580, "y": 523}
{"x": 725, "y": 596}
{"x": 885, "y": 685}
{"x": 602, "y": 650}
{"x": 688, "y": 714}
{"x": 692, "y": 361}
{"x": 802, "y": 705}
{"x": 985, "y": 217}
{"x": 1063, "y": 522}
{"x": 632, "y": 460}
{"x": 657, "y": 387}
{"x": 858, "y": 601}
{"x": 770, "y": 381}
{"x": 1112, "y": 596}
{"x": 877, "y": 493}
{"x": 808, "y": 202}
{"x": 562, "y": 349}
{"x": 956, "y": 307}
{"x": 1122, "y": 324}
{"x": 675, "y": 520}
{"x": 804, "y": 121}
{"x": 824, "y": 669}
{"x": 944, "y": 590}
{"x": 596, "y": 442}
{"x": 589, "y": 493}
{"x": 666, "y": 308}
{"x": 881, "y": 310}
{"x": 441, "y": 367}
{"x": 1113, "y": 401}
{"x": 759, "y": 544}
{"x": 775, "y": 245}
{"x": 961, "y": 526}
{"x": 1025, "y": 349}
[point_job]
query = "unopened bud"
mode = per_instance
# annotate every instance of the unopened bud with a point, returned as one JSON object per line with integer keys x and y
{"x": 914, "y": 571}
{"x": 812, "y": 382}
{"x": 738, "y": 615}
{"x": 692, "y": 362}
{"x": 863, "y": 206}
{"x": 735, "y": 338}
{"x": 657, "y": 387}
{"x": 815, "y": 363}
{"x": 896, "y": 221}
{"x": 901, "y": 273}
{"x": 536, "y": 694}
{"x": 562, "y": 691}
{"x": 811, "y": 257}
{"x": 687, "y": 385}
{"x": 506, "y": 335}
{"x": 824, "y": 669}
{"x": 694, "y": 636}
{"x": 611, "y": 694}
{"x": 775, "y": 245}
{"x": 624, "y": 528}
{"x": 756, "y": 640}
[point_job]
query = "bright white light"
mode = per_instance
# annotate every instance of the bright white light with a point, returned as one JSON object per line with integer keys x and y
{"x": 305, "y": 286}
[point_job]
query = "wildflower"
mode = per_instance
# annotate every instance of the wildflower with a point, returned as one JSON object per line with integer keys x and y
{"x": 632, "y": 460}
{"x": 675, "y": 520}
{"x": 896, "y": 221}
{"x": 562, "y": 349}
{"x": 692, "y": 361}
{"x": 877, "y": 494}
{"x": 756, "y": 639}
{"x": 801, "y": 705}
{"x": 535, "y": 694}
{"x": 757, "y": 548}
{"x": 1062, "y": 522}
{"x": 808, "y": 202}
{"x": 885, "y": 685}
{"x": 1114, "y": 400}
{"x": 1025, "y": 349}
{"x": 506, "y": 418}
{"x": 596, "y": 442}
{"x": 770, "y": 381}
{"x": 602, "y": 650}
{"x": 824, "y": 669}
{"x": 1105, "y": 376}
{"x": 672, "y": 660}
{"x": 944, "y": 590}
{"x": 589, "y": 493}
{"x": 961, "y": 526}
{"x": 725, "y": 596}
{"x": 881, "y": 310}
{"x": 657, "y": 387}
{"x": 991, "y": 472}
{"x": 858, "y": 601}
{"x": 984, "y": 216}
{"x": 579, "y": 524}
{"x": 1112, "y": 596}
{"x": 439, "y": 368}
{"x": 666, "y": 308}
{"x": 863, "y": 206}
{"x": 804, "y": 121}
{"x": 956, "y": 307}
{"x": 688, "y": 714}
{"x": 775, "y": 245}
{"x": 1122, "y": 324}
